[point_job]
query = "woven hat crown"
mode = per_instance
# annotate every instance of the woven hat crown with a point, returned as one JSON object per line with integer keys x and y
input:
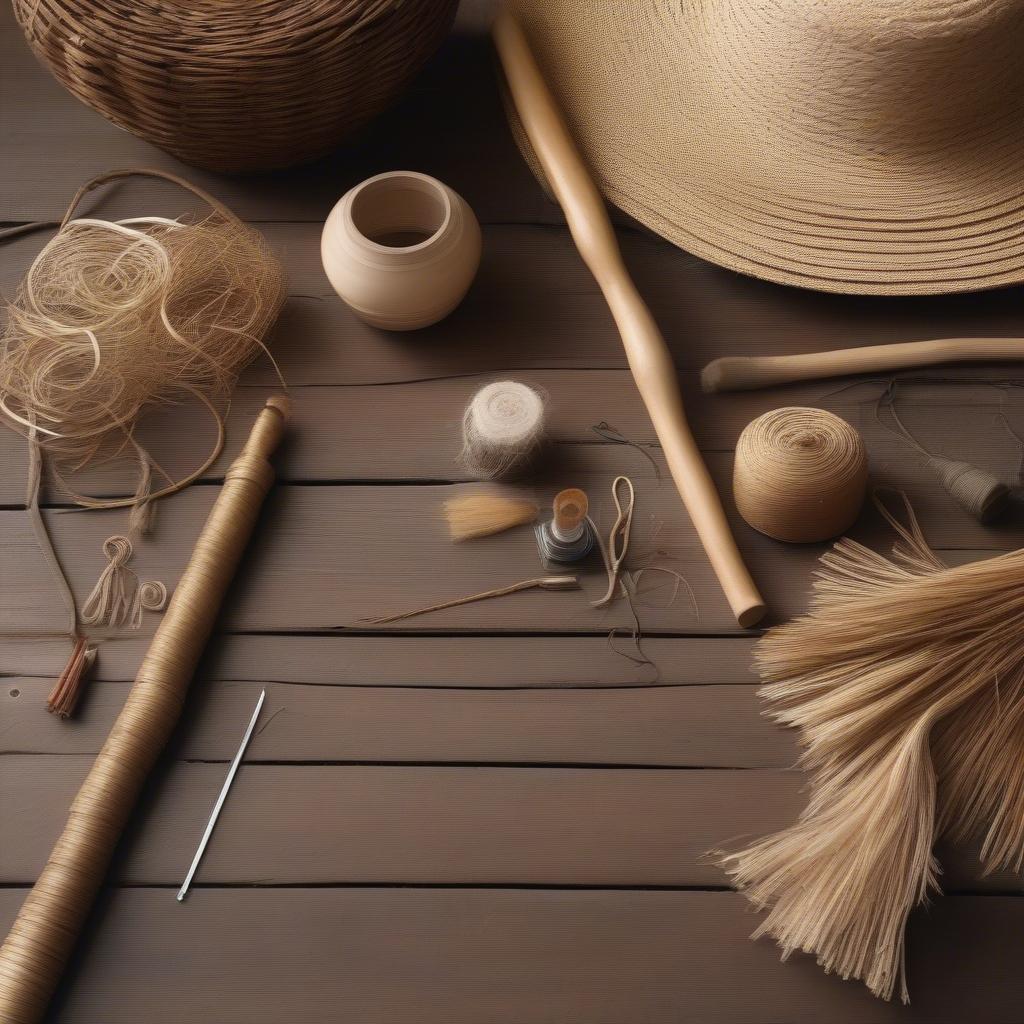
{"x": 895, "y": 71}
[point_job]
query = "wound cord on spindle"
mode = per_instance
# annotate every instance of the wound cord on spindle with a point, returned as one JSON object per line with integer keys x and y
{"x": 975, "y": 490}
{"x": 502, "y": 429}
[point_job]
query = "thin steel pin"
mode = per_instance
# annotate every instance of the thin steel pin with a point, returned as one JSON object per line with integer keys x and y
{"x": 183, "y": 891}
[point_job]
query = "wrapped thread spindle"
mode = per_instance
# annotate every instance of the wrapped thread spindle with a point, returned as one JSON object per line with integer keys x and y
{"x": 40, "y": 941}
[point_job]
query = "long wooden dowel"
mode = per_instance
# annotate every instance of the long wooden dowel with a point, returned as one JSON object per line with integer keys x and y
{"x": 646, "y": 351}
{"x": 747, "y": 373}
{"x": 33, "y": 956}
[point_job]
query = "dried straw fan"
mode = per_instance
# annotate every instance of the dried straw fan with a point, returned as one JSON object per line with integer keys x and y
{"x": 648, "y": 355}
{"x": 34, "y": 953}
{"x": 905, "y": 681}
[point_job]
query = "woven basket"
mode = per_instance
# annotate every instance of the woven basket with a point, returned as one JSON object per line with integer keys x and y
{"x": 236, "y": 85}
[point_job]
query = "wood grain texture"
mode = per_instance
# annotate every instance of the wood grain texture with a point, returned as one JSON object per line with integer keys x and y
{"x": 471, "y": 956}
{"x": 355, "y": 435}
{"x": 716, "y": 726}
{"x": 534, "y": 305}
{"x": 374, "y": 410}
{"x": 334, "y": 557}
{"x": 424, "y": 825}
{"x": 363, "y": 824}
{"x": 420, "y": 661}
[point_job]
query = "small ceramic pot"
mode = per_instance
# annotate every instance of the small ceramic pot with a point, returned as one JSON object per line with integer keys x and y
{"x": 401, "y": 249}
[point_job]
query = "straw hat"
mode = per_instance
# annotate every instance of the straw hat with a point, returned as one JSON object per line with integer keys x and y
{"x": 864, "y": 146}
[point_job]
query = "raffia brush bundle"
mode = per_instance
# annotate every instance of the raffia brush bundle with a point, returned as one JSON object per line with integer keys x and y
{"x": 483, "y": 513}
{"x": 114, "y": 319}
{"x": 235, "y": 85}
{"x": 906, "y": 683}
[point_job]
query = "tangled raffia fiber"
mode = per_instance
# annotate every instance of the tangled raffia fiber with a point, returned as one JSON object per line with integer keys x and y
{"x": 111, "y": 320}
{"x": 114, "y": 318}
{"x": 906, "y": 683}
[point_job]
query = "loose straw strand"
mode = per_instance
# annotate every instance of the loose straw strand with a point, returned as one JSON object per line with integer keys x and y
{"x": 615, "y": 551}
{"x": 540, "y": 582}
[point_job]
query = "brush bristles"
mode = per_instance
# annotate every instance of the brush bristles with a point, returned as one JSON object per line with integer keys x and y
{"x": 484, "y": 513}
{"x": 906, "y": 684}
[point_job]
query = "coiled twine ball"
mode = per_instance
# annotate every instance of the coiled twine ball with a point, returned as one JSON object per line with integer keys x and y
{"x": 800, "y": 474}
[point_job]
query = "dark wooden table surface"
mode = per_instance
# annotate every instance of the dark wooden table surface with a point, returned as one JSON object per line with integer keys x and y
{"x": 485, "y": 815}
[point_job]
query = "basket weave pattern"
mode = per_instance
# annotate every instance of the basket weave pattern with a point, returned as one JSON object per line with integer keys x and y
{"x": 236, "y": 85}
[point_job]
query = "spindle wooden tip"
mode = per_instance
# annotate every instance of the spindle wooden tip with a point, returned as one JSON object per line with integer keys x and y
{"x": 283, "y": 404}
{"x": 570, "y": 508}
{"x": 559, "y": 583}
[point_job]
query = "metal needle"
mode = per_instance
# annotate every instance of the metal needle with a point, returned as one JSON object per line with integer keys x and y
{"x": 183, "y": 891}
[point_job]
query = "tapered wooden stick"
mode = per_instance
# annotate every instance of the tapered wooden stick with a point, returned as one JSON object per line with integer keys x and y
{"x": 34, "y": 953}
{"x": 748, "y": 373}
{"x": 648, "y": 355}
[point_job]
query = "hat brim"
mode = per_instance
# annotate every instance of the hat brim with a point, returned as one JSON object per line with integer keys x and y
{"x": 672, "y": 143}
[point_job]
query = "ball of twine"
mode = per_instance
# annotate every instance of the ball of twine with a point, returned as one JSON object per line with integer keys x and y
{"x": 800, "y": 474}
{"x": 502, "y": 429}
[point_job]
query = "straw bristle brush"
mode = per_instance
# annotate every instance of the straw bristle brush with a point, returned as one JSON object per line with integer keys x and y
{"x": 483, "y": 513}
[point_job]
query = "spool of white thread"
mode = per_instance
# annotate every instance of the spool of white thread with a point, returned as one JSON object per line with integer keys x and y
{"x": 502, "y": 429}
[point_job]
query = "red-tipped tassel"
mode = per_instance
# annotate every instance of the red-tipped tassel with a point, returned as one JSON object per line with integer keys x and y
{"x": 64, "y": 697}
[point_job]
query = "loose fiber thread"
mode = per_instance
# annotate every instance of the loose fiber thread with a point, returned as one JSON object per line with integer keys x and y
{"x": 800, "y": 474}
{"x": 975, "y": 490}
{"x": 114, "y": 318}
{"x": 535, "y": 583}
{"x": 119, "y": 598}
{"x": 502, "y": 429}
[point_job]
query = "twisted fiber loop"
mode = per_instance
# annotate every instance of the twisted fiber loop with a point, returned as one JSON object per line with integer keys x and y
{"x": 119, "y": 598}
{"x": 233, "y": 85}
{"x": 38, "y": 945}
{"x": 800, "y": 474}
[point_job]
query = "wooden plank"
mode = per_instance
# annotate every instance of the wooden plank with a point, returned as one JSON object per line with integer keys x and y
{"x": 334, "y": 557}
{"x": 354, "y": 435}
{"x": 360, "y": 824}
{"x": 413, "y": 825}
{"x": 420, "y": 661}
{"x": 719, "y": 726}
{"x": 429, "y": 956}
{"x": 370, "y": 824}
{"x": 534, "y": 305}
